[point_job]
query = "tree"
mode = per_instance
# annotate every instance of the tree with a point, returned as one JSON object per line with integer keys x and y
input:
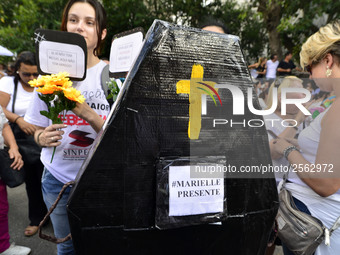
{"x": 127, "y": 14}
{"x": 289, "y": 22}
{"x": 124, "y": 15}
{"x": 272, "y": 12}
{"x": 303, "y": 18}
{"x": 244, "y": 22}
{"x": 23, "y": 17}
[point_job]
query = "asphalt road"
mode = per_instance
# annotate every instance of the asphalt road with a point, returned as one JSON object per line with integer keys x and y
{"x": 18, "y": 221}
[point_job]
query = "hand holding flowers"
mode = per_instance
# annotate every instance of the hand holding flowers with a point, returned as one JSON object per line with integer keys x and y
{"x": 57, "y": 92}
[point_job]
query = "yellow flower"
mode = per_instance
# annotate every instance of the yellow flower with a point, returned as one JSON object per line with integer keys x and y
{"x": 74, "y": 95}
{"x": 46, "y": 90}
{"x": 53, "y": 81}
{"x": 67, "y": 84}
{"x": 62, "y": 75}
{"x": 59, "y": 79}
{"x": 38, "y": 82}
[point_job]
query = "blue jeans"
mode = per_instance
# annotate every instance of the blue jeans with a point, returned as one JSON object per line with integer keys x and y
{"x": 50, "y": 189}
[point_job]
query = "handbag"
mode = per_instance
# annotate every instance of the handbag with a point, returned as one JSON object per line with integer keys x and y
{"x": 11, "y": 177}
{"x": 300, "y": 232}
{"x": 28, "y": 148}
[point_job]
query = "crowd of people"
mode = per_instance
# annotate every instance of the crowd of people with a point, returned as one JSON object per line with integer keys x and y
{"x": 309, "y": 140}
{"x": 45, "y": 180}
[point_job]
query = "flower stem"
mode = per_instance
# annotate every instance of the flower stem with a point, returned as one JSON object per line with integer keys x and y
{"x": 53, "y": 154}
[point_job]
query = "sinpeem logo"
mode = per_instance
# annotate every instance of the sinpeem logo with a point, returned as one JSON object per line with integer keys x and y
{"x": 196, "y": 88}
{"x": 81, "y": 138}
{"x": 199, "y": 89}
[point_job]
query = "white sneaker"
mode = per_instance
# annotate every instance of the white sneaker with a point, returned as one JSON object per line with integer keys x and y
{"x": 16, "y": 250}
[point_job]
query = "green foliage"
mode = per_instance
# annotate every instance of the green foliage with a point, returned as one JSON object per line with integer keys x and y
{"x": 303, "y": 18}
{"x": 298, "y": 19}
{"x": 250, "y": 21}
{"x": 114, "y": 89}
{"x": 244, "y": 22}
{"x": 22, "y": 17}
{"x": 125, "y": 15}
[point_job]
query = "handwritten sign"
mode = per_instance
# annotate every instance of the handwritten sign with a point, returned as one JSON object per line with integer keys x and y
{"x": 61, "y": 51}
{"x": 192, "y": 196}
{"x": 57, "y": 57}
{"x": 124, "y": 51}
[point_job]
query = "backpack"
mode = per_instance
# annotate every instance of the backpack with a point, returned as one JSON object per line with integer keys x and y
{"x": 105, "y": 78}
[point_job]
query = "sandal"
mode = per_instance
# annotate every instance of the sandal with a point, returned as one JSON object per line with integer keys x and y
{"x": 31, "y": 230}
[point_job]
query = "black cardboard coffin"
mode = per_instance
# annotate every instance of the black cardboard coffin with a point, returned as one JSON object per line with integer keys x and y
{"x": 120, "y": 203}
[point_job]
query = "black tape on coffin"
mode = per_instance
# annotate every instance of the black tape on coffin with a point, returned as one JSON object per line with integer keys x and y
{"x": 113, "y": 206}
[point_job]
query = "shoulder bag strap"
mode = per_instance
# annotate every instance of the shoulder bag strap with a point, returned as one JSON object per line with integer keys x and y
{"x": 14, "y": 94}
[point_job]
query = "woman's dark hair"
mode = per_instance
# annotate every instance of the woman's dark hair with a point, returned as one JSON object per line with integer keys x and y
{"x": 100, "y": 20}
{"x": 25, "y": 57}
{"x": 210, "y": 21}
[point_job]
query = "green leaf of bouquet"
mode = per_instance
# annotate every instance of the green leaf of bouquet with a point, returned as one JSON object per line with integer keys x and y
{"x": 45, "y": 98}
{"x": 57, "y": 121}
{"x": 45, "y": 113}
{"x": 69, "y": 104}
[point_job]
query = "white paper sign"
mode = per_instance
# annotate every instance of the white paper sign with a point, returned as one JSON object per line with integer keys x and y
{"x": 192, "y": 196}
{"x": 57, "y": 57}
{"x": 124, "y": 51}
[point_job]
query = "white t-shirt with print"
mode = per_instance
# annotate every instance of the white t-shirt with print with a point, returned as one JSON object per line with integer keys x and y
{"x": 23, "y": 97}
{"x": 79, "y": 135}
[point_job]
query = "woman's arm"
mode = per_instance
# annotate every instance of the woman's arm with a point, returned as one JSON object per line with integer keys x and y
{"x": 28, "y": 128}
{"x": 263, "y": 72}
{"x": 253, "y": 66}
{"x": 289, "y": 133}
{"x": 13, "y": 147}
{"x": 325, "y": 181}
{"x": 49, "y": 136}
{"x": 85, "y": 112}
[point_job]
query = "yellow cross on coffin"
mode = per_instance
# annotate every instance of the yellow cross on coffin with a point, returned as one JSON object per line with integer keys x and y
{"x": 195, "y": 87}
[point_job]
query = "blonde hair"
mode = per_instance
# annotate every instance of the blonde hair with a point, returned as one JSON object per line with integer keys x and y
{"x": 279, "y": 83}
{"x": 261, "y": 59}
{"x": 326, "y": 40}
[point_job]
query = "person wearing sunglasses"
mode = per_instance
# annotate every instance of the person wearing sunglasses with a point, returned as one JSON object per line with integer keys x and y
{"x": 15, "y": 96}
{"x": 315, "y": 171}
